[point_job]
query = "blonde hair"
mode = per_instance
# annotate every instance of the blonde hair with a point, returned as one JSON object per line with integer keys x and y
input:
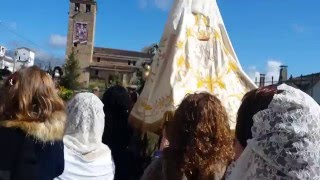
{"x": 30, "y": 95}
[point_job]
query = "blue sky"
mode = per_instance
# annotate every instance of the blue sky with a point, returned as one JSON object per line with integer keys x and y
{"x": 264, "y": 33}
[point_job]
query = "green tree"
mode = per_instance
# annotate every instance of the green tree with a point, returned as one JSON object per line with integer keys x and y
{"x": 71, "y": 73}
{"x": 115, "y": 79}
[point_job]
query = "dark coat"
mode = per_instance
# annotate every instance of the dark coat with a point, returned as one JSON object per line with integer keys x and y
{"x": 32, "y": 150}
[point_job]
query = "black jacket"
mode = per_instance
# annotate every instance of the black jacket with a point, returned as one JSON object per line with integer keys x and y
{"x": 32, "y": 150}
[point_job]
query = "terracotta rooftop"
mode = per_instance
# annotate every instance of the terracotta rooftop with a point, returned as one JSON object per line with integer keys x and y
{"x": 118, "y": 52}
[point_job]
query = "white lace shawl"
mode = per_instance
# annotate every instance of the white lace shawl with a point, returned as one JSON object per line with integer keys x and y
{"x": 286, "y": 140}
{"x": 85, "y": 124}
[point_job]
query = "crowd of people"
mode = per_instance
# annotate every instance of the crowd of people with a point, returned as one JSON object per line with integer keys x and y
{"x": 277, "y": 135}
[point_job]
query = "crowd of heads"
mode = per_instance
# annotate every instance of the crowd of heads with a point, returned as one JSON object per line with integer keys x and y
{"x": 277, "y": 131}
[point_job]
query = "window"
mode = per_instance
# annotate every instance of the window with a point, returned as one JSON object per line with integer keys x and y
{"x": 129, "y": 63}
{"x": 88, "y": 8}
{"x": 77, "y": 7}
{"x": 98, "y": 59}
{"x": 75, "y": 44}
{"x": 134, "y": 63}
{"x": 97, "y": 72}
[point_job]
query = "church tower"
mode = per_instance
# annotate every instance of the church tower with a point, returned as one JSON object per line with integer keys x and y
{"x": 81, "y": 32}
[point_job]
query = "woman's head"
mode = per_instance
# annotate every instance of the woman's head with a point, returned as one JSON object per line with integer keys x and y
{"x": 85, "y": 124}
{"x": 29, "y": 94}
{"x": 116, "y": 98}
{"x": 253, "y": 102}
{"x": 200, "y": 136}
{"x": 285, "y": 139}
{"x": 116, "y": 102}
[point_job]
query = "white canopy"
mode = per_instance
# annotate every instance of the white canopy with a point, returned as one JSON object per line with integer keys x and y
{"x": 195, "y": 55}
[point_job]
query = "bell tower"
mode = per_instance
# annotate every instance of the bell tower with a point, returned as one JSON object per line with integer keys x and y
{"x": 81, "y": 32}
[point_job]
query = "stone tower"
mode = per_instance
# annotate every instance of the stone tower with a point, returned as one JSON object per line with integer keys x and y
{"x": 81, "y": 31}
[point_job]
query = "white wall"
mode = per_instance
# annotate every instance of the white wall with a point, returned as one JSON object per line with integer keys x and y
{"x": 7, "y": 61}
{"x": 32, "y": 56}
{"x": 2, "y": 51}
{"x": 24, "y": 57}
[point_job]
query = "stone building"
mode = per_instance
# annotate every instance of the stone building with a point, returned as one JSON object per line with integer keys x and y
{"x": 96, "y": 63}
{"x": 106, "y": 63}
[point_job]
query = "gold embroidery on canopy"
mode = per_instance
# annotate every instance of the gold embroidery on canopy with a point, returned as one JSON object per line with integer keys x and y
{"x": 226, "y": 50}
{"x": 205, "y": 20}
{"x": 201, "y": 27}
{"x": 183, "y": 62}
{"x": 238, "y": 96}
{"x": 216, "y": 35}
{"x": 147, "y": 107}
{"x": 180, "y": 45}
{"x": 210, "y": 83}
{"x": 232, "y": 66}
{"x": 196, "y": 19}
{"x": 189, "y": 32}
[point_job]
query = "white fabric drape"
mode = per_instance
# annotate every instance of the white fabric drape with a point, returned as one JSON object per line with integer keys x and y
{"x": 286, "y": 140}
{"x": 86, "y": 157}
{"x": 195, "y": 54}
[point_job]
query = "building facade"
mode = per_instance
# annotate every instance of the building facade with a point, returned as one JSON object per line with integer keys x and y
{"x": 106, "y": 63}
{"x": 309, "y": 84}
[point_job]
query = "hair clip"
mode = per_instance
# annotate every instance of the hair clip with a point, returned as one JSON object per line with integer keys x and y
{"x": 12, "y": 79}
{"x": 11, "y": 82}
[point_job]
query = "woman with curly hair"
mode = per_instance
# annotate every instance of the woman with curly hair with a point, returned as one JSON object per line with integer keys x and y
{"x": 200, "y": 140}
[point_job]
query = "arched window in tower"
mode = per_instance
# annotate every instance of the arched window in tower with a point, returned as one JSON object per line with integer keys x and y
{"x": 88, "y": 8}
{"x": 77, "y": 7}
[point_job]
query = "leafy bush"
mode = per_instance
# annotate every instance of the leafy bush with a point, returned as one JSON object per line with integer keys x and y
{"x": 65, "y": 94}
